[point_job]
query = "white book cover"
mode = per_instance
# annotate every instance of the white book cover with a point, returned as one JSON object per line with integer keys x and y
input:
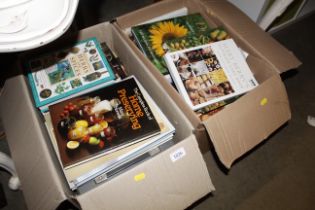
{"x": 210, "y": 73}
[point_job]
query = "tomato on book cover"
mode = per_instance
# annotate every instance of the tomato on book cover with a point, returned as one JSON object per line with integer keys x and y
{"x": 102, "y": 121}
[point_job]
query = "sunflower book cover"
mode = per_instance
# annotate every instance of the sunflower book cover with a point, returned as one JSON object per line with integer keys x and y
{"x": 101, "y": 122}
{"x": 211, "y": 73}
{"x": 152, "y": 38}
{"x": 60, "y": 74}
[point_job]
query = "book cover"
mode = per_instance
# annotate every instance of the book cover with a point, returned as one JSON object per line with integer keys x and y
{"x": 194, "y": 40}
{"x": 209, "y": 110}
{"x": 151, "y": 37}
{"x": 210, "y": 73}
{"x": 114, "y": 62}
{"x": 62, "y": 73}
{"x": 83, "y": 172}
{"x": 101, "y": 122}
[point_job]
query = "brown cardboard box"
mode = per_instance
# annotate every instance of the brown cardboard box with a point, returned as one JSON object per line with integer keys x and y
{"x": 158, "y": 183}
{"x": 245, "y": 123}
{"x": 163, "y": 184}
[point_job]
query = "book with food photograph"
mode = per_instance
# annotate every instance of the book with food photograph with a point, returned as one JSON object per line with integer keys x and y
{"x": 82, "y": 173}
{"x": 151, "y": 37}
{"x": 59, "y": 75}
{"x": 101, "y": 122}
{"x": 210, "y": 73}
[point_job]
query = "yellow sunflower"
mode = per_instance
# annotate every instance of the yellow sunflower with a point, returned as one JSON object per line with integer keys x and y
{"x": 163, "y": 31}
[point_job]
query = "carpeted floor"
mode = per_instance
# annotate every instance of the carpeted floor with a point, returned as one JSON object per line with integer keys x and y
{"x": 279, "y": 173}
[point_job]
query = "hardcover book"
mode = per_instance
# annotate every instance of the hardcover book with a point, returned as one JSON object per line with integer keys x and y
{"x": 101, "y": 122}
{"x": 152, "y": 37}
{"x": 82, "y": 173}
{"x": 58, "y": 75}
{"x": 114, "y": 62}
{"x": 210, "y": 73}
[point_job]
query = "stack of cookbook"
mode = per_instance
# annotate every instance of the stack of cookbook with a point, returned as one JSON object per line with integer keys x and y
{"x": 100, "y": 120}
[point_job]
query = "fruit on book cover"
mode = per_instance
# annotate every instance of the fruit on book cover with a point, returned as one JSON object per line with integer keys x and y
{"x": 100, "y": 121}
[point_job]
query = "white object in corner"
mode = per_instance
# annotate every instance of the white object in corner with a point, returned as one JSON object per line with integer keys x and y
{"x": 252, "y": 9}
{"x": 7, "y": 164}
{"x": 311, "y": 120}
{"x": 33, "y": 23}
{"x": 276, "y": 9}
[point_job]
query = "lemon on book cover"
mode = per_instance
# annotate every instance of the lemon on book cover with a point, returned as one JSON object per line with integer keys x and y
{"x": 102, "y": 121}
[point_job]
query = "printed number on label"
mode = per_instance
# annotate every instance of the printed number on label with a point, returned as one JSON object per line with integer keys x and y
{"x": 178, "y": 154}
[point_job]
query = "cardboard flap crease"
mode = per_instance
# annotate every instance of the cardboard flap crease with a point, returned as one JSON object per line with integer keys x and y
{"x": 259, "y": 113}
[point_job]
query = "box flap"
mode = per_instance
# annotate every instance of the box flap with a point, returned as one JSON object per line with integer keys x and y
{"x": 42, "y": 185}
{"x": 146, "y": 13}
{"x": 243, "y": 29}
{"x": 173, "y": 180}
{"x": 268, "y": 103}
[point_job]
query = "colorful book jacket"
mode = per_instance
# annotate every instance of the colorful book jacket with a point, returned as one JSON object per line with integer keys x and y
{"x": 63, "y": 73}
{"x": 114, "y": 62}
{"x": 102, "y": 121}
{"x": 210, "y": 73}
{"x": 152, "y": 38}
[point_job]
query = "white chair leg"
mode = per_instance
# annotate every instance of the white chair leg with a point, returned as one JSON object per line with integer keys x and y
{"x": 7, "y": 163}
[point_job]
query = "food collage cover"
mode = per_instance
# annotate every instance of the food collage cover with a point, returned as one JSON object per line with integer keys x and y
{"x": 210, "y": 73}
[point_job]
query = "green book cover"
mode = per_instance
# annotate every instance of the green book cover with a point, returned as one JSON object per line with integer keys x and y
{"x": 151, "y": 38}
{"x": 194, "y": 40}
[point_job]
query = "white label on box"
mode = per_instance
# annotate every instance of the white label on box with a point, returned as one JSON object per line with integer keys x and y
{"x": 178, "y": 154}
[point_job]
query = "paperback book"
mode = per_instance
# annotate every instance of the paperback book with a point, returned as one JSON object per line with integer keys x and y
{"x": 61, "y": 74}
{"x": 210, "y": 73}
{"x": 101, "y": 122}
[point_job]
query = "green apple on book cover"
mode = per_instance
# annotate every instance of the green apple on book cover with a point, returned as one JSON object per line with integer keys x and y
{"x": 62, "y": 73}
{"x": 102, "y": 121}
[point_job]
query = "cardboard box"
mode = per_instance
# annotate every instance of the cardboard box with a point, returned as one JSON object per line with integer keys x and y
{"x": 158, "y": 183}
{"x": 248, "y": 121}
